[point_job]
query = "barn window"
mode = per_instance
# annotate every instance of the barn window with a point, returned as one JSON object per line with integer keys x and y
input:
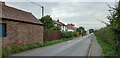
{"x": 2, "y": 30}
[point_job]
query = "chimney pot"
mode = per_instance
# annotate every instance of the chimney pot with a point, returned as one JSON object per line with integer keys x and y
{"x": 58, "y": 20}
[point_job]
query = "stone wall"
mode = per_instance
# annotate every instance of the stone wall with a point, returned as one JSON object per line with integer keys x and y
{"x": 19, "y": 33}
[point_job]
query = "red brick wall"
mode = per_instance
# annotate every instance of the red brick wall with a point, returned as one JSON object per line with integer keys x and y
{"x": 22, "y": 33}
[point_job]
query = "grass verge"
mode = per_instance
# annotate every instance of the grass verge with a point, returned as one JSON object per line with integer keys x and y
{"x": 48, "y": 43}
{"x": 19, "y": 48}
{"x": 107, "y": 49}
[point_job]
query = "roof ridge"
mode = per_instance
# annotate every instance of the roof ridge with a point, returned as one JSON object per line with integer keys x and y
{"x": 18, "y": 14}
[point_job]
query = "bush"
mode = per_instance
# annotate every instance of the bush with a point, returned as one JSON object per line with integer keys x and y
{"x": 106, "y": 38}
{"x": 68, "y": 34}
{"x": 66, "y": 39}
{"x": 47, "y": 43}
{"x": 107, "y": 35}
{"x": 107, "y": 49}
{"x": 18, "y": 48}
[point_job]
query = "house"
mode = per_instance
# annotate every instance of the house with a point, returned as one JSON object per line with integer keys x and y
{"x": 18, "y": 26}
{"x": 71, "y": 27}
{"x": 61, "y": 25}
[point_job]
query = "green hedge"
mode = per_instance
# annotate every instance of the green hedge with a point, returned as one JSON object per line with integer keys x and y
{"x": 68, "y": 34}
{"x": 106, "y": 38}
{"x": 107, "y": 35}
{"x": 107, "y": 49}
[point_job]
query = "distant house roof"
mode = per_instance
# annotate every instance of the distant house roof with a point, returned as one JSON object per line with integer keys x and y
{"x": 71, "y": 26}
{"x": 59, "y": 23}
{"x": 12, "y": 13}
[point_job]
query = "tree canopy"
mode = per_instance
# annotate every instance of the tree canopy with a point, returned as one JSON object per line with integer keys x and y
{"x": 114, "y": 19}
{"x": 81, "y": 30}
{"x": 47, "y": 22}
{"x": 91, "y": 30}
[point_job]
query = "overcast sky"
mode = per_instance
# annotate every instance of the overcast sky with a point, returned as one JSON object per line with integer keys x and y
{"x": 79, "y": 13}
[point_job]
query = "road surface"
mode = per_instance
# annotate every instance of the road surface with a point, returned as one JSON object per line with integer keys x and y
{"x": 95, "y": 49}
{"x": 75, "y": 47}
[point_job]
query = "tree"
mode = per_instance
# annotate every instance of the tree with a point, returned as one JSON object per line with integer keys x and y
{"x": 91, "y": 30}
{"x": 47, "y": 22}
{"x": 81, "y": 30}
{"x": 55, "y": 28}
{"x": 114, "y": 19}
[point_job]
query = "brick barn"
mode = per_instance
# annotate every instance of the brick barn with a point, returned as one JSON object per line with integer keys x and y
{"x": 18, "y": 26}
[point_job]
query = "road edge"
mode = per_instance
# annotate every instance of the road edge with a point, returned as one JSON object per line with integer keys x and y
{"x": 88, "y": 54}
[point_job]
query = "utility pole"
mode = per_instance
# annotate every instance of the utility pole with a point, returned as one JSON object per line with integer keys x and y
{"x": 38, "y": 5}
{"x": 42, "y": 11}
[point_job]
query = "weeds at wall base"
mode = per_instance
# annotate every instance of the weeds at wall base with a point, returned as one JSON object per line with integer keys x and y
{"x": 19, "y": 48}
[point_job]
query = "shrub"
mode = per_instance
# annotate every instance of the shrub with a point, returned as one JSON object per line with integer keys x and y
{"x": 18, "y": 48}
{"x": 107, "y": 35}
{"x": 66, "y": 39}
{"x": 47, "y": 43}
{"x": 68, "y": 34}
{"x": 106, "y": 38}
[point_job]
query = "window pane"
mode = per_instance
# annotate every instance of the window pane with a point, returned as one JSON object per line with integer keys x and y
{"x": 2, "y": 30}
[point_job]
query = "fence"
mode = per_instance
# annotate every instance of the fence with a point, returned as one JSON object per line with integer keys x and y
{"x": 50, "y": 35}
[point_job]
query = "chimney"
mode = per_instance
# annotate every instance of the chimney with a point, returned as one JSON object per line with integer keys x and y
{"x": 2, "y": 3}
{"x": 58, "y": 20}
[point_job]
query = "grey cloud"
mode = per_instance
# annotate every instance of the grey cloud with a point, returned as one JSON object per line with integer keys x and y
{"x": 82, "y": 14}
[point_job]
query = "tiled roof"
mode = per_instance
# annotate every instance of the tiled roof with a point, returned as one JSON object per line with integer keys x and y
{"x": 59, "y": 23}
{"x": 19, "y": 15}
{"x": 71, "y": 26}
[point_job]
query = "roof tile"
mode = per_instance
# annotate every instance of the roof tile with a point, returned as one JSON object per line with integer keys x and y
{"x": 16, "y": 14}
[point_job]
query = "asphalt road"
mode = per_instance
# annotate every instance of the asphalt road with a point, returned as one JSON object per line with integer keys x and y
{"x": 95, "y": 48}
{"x": 75, "y": 47}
